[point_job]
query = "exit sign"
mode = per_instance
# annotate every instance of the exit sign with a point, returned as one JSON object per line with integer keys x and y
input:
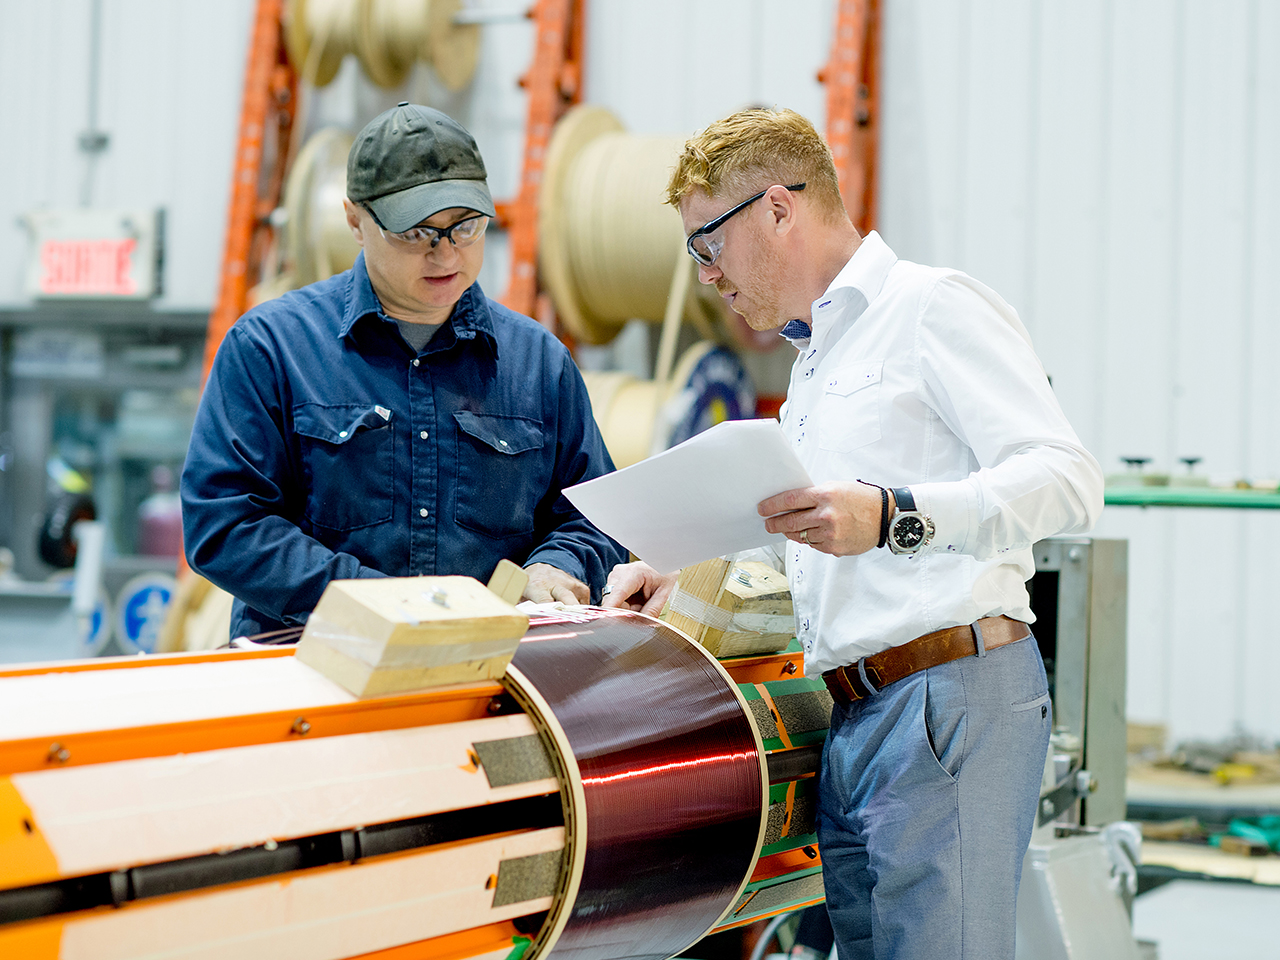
{"x": 94, "y": 254}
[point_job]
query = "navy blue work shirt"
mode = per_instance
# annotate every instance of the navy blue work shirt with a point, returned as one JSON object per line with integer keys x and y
{"x": 324, "y": 448}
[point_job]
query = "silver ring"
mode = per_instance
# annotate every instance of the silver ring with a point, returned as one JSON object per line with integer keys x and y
{"x": 804, "y": 535}
{"x": 608, "y": 589}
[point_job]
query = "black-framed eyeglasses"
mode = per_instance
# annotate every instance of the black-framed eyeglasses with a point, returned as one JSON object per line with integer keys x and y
{"x": 705, "y": 248}
{"x": 461, "y": 234}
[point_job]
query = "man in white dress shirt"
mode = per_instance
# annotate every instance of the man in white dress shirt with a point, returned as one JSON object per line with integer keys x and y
{"x": 939, "y": 456}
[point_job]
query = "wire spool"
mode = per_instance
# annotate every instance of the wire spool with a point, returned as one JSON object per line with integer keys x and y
{"x": 639, "y": 418}
{"x": 318, "y": 242}
{"x": 392, "y": 34}
{"x": 663, "y": 779}
{"x": 387, "y": 36}
{"x": 318, "y": 34}
{"x": 452, "y": 49}
{"x": 607, "y": 244}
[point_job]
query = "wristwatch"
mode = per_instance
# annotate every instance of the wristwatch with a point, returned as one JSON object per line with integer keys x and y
{"x": 910, "y": 530}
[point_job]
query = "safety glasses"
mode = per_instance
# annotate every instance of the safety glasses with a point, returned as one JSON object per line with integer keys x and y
{"x": 461, "y": 234}
{"x": 704, "y": 247}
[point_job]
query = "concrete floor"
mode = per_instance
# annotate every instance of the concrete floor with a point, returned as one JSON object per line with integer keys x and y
{"x": 1202, "y": 920}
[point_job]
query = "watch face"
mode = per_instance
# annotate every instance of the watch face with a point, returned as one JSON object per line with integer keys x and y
{"x": 908, "y": 532}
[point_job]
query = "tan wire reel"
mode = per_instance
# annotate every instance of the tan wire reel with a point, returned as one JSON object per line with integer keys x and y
{"x": 611, "y": 250}
{"x": 387, "y": 36}
{"x": 316, "y": 241}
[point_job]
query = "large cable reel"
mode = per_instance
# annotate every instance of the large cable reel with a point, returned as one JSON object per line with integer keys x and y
{"x": 610, "y": 250}
{"x": 387, "y": 36}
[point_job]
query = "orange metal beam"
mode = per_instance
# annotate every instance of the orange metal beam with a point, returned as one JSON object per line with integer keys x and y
{"x": 151, "y": 660}
{"x": 553, "y": 83}
{"x": 270, "y": 96}
{"x": 442, "y": 705}
{"x": 475, "y": 942}
{"x": 763, "y": 669}
{"x": 851, "y": 79}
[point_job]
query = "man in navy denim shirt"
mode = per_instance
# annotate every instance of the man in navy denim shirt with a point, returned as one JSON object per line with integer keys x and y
{"x": 392, "y": 420}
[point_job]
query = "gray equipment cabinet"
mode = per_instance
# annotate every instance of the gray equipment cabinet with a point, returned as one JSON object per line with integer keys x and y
{"x": 1080, "y": 596}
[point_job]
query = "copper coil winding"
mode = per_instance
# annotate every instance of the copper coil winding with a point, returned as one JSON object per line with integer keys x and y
{"x": 664, "y": 782}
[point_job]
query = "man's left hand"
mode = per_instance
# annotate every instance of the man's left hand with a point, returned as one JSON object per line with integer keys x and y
{"x": 548, "y": 584}
{"x": 842, "y": 519}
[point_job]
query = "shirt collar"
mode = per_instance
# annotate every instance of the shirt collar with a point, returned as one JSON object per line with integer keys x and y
{"x": 471, "y": 314}
{"x": 862, "y": 278}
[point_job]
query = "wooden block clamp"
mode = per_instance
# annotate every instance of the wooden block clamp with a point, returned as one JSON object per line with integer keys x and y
{"x": 733, "y": 609}
{"x": 383, "y": 636}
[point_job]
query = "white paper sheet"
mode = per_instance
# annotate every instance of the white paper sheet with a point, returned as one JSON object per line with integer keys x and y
{"x": 697, "y": 500}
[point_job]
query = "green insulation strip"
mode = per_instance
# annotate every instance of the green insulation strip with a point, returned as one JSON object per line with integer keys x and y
{"x": 766, "y": 896}
{"x": 1191, "y": 497}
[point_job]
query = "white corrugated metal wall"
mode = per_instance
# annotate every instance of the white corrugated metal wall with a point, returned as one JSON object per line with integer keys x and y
{"x": 1110, "y": 166}
{"x": 169, "y": 98}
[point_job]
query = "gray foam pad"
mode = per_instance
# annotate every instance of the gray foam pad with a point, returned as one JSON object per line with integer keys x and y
{"x": 515, "y": 760}
{"x": 803, "y": 712}
{"x": 764, "y": 719}
{"x": 527, "y": 878}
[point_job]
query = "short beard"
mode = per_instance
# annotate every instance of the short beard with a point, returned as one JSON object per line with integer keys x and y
{"x": 769, "y": 276}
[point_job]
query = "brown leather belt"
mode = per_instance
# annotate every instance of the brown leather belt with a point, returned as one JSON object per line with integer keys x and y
{"x": 872, "y": 674}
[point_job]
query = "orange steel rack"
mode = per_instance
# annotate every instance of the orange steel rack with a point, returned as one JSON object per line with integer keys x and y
{"x": 853, "y": 105}
{"x": 553, "y": 83}
{"x": 262, "y": 146}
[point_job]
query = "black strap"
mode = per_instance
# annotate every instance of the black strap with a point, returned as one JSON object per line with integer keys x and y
{"x": 884, "y": 513}
{"x": 903, "y": 498}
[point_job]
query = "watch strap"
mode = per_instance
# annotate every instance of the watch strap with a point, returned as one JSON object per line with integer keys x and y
{"x": 903, "y": 498}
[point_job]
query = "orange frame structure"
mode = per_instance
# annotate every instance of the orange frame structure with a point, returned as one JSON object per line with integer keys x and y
{"x": 853, "y": 106}
{"x": 554, "y": 83}
{"x": 267, "y": 108}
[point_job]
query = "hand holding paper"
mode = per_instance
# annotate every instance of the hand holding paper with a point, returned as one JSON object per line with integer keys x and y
{"x": 697, "y": 500}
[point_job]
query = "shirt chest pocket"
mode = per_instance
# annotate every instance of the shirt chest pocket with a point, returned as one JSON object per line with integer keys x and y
{"x": 849, "y": 411}
{"x": 348, "y": 463}
{"x": 501, "y": 473}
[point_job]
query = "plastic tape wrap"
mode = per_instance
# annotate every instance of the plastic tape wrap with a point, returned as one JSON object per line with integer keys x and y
{"x": 687, "y": 605}
{"x": 378, "y": 653}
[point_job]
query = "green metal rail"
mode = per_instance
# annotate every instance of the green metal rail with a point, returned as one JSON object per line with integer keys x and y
{"x": 1192, "y": 497}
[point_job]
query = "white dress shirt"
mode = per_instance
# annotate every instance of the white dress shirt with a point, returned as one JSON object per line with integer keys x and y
{"x": 923, "y": 377}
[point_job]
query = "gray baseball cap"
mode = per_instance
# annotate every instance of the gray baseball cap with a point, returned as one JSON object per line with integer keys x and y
{"x": 411, "y": 162}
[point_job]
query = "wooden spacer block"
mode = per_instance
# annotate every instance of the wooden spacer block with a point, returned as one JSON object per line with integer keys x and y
{"x": 388, "y": 635}
{"x": 508, "y": 581}
{"x": 733, "y": 610}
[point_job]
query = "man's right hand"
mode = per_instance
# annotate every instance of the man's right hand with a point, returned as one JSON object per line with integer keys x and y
{"x": 637, "y": 586}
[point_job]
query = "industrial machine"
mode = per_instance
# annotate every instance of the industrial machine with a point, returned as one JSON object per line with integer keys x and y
{"x": 1079, "y": 876}
{"x": 620, "y": 792}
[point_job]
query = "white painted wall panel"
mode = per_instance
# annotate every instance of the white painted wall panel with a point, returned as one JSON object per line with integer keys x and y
{"x": 672, "y": 66}
{"x": 1110, "y": 166}
{"x": 169, "y": 97}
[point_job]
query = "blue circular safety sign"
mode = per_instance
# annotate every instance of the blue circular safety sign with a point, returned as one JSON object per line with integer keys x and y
{"x": 95, "y": 631}
{"x": 140, "y": 611}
